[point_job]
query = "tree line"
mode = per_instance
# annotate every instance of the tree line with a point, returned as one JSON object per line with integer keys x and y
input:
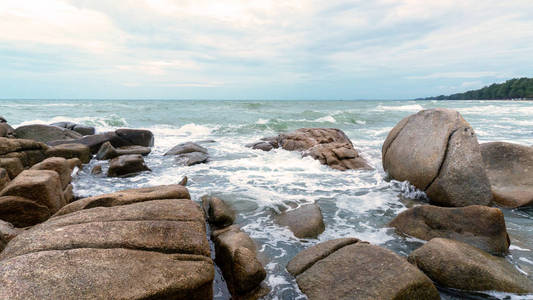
{"x": 517, "y": 88}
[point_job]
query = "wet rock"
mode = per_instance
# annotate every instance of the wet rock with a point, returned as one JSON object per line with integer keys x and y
{"x": 173, "y": 191}
{"x": 183, "y": 181}
{"x": 41, "y": 186}
{"x": 126, "y": 165}
{"x": 12, "y": 165}
{"x": 305, "y": 221}
{"x": 6, "y": 131}
{"x": 45, "y": 133}
{"x": 97, "y": 170}
{"x": 458, "y": 265}
{"x": 22, "y": 212}
{"x": 147, "y": 250}
{"x": 79, "y": 128}
{"x": 437, "y": 151}
{"x": 236, "y": 257}
{"x": 59, "y": 165}
{"x": 510, "y": 171}
{"x": 107, "y": 151}
{"x": 139, "y": 137}
{"x": 4, "y": 178}
{"x": 189, "y": 153}
{"x": 328, "y": 145}
{"x": 349, "y": 269}
{"x": 189, "y": 159}
{"x": 217, "y": 211}
{"x": 69, "y": 151}
{"x": 479, "y": 226}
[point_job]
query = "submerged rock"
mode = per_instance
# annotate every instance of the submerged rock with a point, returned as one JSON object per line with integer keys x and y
{"x": 107, "y": 151}
{"x": 510, "y": 171}
{"x": 126, "y": 165}
{"x": 458, "y": 265}
{"x": 479, "y": 226}
{"x": 305, "y": 221}
{"x": 217, "y": 211}
{"x": 189, "y": 153}
{"x": 350, "y": 269}
{"x": 437, "y": 151}
{"x": 45, "y": 133}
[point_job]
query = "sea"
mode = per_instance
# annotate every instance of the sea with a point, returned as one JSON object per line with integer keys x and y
{"x": 259, "y": 185}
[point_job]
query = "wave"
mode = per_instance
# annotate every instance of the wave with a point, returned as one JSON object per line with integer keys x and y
{"x": 409, "y": 107}
{"x": 100, "y": 123}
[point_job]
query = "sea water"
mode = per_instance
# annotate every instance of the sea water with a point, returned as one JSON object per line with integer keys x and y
{"x": 258, "y": 184}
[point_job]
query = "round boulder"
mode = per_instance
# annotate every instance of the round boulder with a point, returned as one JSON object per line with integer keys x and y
{"x": 305, "y": 221}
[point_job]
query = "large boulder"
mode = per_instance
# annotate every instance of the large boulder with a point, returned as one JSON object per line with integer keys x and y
{"x": 218, "y": 213}
{"x": 6, "y": 130}
{"x": 189, "y": 153}
{"x": 79, "y": 128}
{"x": 40, "y": 186}
{"x": 437, "y": 151}
{"x": 173, "y": 191}
{"x": 22, "y": 212}
{"x": 118, "y": 138}
{"x": 59, "y": 165}
{"x": 68, "y": 151}
{"x": 147, "y": 250}
{"x": 126, "y": 165}
{"x": 29, "y": 152}
{"x": 4, "y": 178}
{"x": 479, "y": 226}
{"x": 12, "y": 165}
{"x": 350, "y": 269}
{"x": 510, "y": 171}
{"x": 107, "y": 151}
{"x": 458, "y": 265}
{"x": 330, "y": 146}
{"x": 45, "y": 133}
{"x": 305, "y": 221}
{"x": 236, "y": 255}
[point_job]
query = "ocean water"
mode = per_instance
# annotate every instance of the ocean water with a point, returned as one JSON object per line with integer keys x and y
{"x": 260, "y": 184}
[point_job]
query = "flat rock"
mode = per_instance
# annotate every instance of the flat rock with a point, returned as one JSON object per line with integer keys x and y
{"x": 107, "y": 151}
{"x": 217, "y": 211}
{"x": 437, "y": 151}
{"x": 458, "y": 265}
{"x": 305, "y": 221}
{"x": 348, "y": 269}
{"x": 479, "y": 226}
{"x": 45, "y": 133}
{"x": 68, "y": 151}
{"x": 22, "y": 212}
{"x": 12, "y": 165}
{"x": 59, "y": 165}
{"x": 510, "y": 171}
{"x": 126, "y": 165}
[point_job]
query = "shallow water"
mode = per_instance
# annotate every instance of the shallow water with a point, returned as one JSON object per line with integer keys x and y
{"x": 259, "y": 184}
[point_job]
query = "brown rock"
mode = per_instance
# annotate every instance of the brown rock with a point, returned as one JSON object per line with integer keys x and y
{"x": 27, "y": 157}
{"x": 107, "y": 151}
{"x": 12, "y": 165}
{"x": 458, "y": 265}
{"x": 217, "y": 211}
{"x": 363, "y": 271}
{"x": 4, "y": 178}
{"x": 22, "y": 212}
{"x": 19, "y": 145}
{"x": 68, "y": 193}
{"x": 6, "y": 130}
{"x": 45, "y": 133}
{"x": 59, "y": 165}
{"x": 8, "y": 231}
{"x": 183, "y": 181}
{"x": 96, "y": 170}
{"x": 126, "y": 165}
{"x": 479, "y": 226}
{"x": 125, "y": 197}
{"x": 305, "y": 221}
{"x": 41, "y": 186}
{"x": 138, "y": 137}
{"x": 69, "y": 151}
{"x": 510, "y": 171}
{"x": 75, "y": 162}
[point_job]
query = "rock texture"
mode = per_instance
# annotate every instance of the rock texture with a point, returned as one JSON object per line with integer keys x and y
{"x": 458, "y": 265}
{"x": 437, "y": 151}
{"x": 12, "y": 165}
{"x": 510, "y": 171}
{"x": 59, "y": 165}
{"x": 236, "y": 257}
{"x": 349, "y": 269}
{"x": 146, "y": 250}
{"x": 479, "y": 226}
{"x": 7, "y": 232}
{"x": 29, "y": 152}
{"x": 126, "y": 165}
{"x": 328, "y": 145}
{"x": 107, "y": 151}
{"x": 305, "y": 221}
{"x": 6, "y": 130}
{"x": 118, "y": 138}
{"x": 217, "y": 211}
{"x": 79, "y": 128}
{"x": 45, "y": 133}
{"x": 4, "y": 178}
{"x": 69, "y": 151}
{"x": 189, "y": 153}
{"x": 22, "y": 212}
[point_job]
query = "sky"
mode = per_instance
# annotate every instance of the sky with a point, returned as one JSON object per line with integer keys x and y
{"x": 246, "y": 49}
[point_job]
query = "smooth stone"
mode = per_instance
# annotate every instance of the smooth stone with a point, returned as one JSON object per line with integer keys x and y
{"x": 190, "y": 159}
{"x": 126, "y": 165}
{"x": 22, "y": 212}
{"x": 139, "y": 137}
{"x": 458, "y": 265}
{"x": 305, "y": 221}
{"x": 59, "y": 165}
{"x": 12, "y": 165}
{"x": 188, "y": 147}
{"x": 107, "y": 151}
{"x": 45, "y": 133}
{"x": 217, "y": 211}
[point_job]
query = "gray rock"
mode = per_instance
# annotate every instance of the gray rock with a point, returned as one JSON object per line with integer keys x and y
{"x": 194, "y": 158}
{"x": 510, "y": 171}
{"x": 217, "y": 211}
{"x": 126, "y": 165}
{"x": 437, "y": 151}
{"x": 79, "y": 128}
{"x": 458, "y": 265}
{"x": 45, "y": 133}
{"x": 119, "y": 138}
{"x": 188, "y": 147}
{"x": 479, "y": 226}
{"x": 68, "y": 151}
{"x": 107, "y": 151}
{"x": 305, "y": 221}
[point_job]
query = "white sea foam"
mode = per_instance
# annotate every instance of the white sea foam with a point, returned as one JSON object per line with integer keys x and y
{"x": 328, "y": 119}
{"x": 410, "y": 107}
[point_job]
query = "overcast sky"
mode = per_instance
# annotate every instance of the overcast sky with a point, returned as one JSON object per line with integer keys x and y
{"x": 233, "y": 49}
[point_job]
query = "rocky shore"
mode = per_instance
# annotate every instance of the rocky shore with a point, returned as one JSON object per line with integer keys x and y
{"x": 154, "y": 242}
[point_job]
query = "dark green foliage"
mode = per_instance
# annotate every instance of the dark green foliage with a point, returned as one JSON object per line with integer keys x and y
{"x": 517, "y": 88}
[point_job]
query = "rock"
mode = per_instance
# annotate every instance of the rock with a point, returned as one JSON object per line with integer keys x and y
{"x": 45, "y": 133}
{"x": 22, "y": 212}
{"x": 119, "y": 138}
{"x": 217, "y": 211}
{"x": 137, "y": 137}
{"x": 330, "y": 146}
{"x": 68, "y": 193}
{"x": 437, "y": 151}
{"x": 94, "y": 142}
{"x": 2, "y": 120}
{"x": 97, "y": 170}
{"x": 69, "y": 151}
{"x": 189, "y": 153}
{"x": 28, "y": 158}
{"x": 189, "y": 159}
{"x": 147, "y": 250}
{"x": 510, "y": 171}
{"x": 6, "y": 131}
{"x": 348, "y": 269}
{"x": 41, "y": 186}
{"x": 79, "y": 128}
{"x": 29, "y": 152}
{"x": 458, "y": 265}
{"x": 126, "y": 165}
{"x": 8, "y": 231}
{"x": 59, "y": 165}
{"x": 183, "y": 181}
{"x": 75, "y": 163}
{"x": 236, "y": 257}
{"x": 305, "y": 221}
{"x": 173, "y": 191}
{"x": 12, "y": 165}
{"x": 479, "y": 226}
{"x": 107, "y": 151}
{"x": 4, "y": 178}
